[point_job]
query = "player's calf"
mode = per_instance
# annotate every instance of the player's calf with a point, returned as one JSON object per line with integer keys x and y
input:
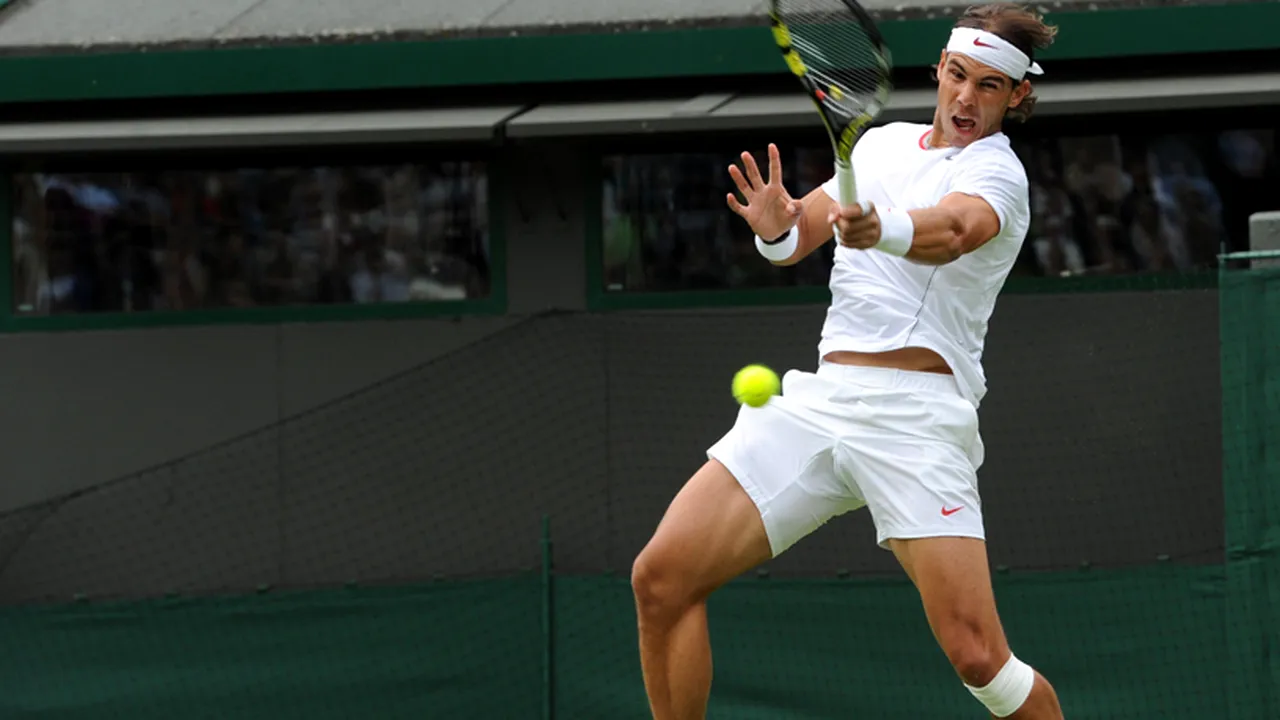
{"x": 674, "y": 650}
{"x": 711, "y": 533}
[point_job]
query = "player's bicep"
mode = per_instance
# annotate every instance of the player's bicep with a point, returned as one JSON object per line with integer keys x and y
{"x": 990, "y": 195}
{"x": 978, "y": 219}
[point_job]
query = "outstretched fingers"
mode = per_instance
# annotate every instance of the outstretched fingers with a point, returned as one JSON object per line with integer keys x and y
{"x": 753, "y": 171}
{"x": 775, "y": 165}
{"x": 743, "y": 187}
{"x": 750, "y": 184}
{"x": 736, "y": 206}
{"x": 741, "y": 182}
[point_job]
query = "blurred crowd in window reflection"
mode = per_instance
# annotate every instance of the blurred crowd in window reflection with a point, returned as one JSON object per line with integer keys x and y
{"x": 1103, "y": 205}
{"x": 181, "y": 240}
{"x": 667, "y": 227}
{"x": 1113, "y": 205}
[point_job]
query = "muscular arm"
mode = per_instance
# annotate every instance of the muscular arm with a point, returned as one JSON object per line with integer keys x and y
{"x": 960, "y": 223}
{"x": 957, "y": 225}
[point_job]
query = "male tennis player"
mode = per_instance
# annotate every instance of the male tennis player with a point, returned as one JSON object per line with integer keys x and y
{"x": 889, "y": 420}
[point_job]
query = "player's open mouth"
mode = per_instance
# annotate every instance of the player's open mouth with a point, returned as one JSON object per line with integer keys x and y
{"x": 964, "y": 125}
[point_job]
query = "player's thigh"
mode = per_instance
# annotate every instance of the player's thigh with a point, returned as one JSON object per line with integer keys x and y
{"x": 783, "y": 456}
{"x": 768, "y": 482}
{"x": 913, "y": 459}
{"x": 953, "y": 578}
{"x": 711, "y": 533}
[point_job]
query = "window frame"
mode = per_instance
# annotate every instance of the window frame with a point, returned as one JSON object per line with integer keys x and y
{"x": 212, "y": 159}
{"x": 1055, "y": 125}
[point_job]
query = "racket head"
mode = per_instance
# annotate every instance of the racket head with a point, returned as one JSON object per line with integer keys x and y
{"x": 835, "y": 50}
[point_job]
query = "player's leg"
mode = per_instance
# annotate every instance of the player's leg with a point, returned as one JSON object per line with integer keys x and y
{"x": 954, "y": 581}
{"x": 711, "y": 533}
{"x": 770, "y": 481}
{"x": 914, "y": 454}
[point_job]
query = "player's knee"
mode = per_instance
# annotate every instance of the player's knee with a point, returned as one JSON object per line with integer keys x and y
{"x": 970, "y": 649}
{"x": 657, "y": 588}
{"x": 973, "y": 660}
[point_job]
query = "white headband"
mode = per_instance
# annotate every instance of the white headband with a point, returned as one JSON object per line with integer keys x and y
{"x": 993, "y": 50}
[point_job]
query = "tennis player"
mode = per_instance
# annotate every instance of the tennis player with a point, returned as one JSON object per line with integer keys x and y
{"x": 889, "y": 419}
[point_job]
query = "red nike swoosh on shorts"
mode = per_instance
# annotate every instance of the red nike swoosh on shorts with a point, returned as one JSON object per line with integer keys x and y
{"x": 952, "y": 511}
{"x": 979, "y": 43}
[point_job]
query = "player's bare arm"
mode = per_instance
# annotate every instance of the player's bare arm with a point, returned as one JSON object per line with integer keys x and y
{"x": 772, "y": 212}
{"x": 957, "y": 225}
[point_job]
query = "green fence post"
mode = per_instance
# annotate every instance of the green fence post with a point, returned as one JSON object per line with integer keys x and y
{"x": 548, "y": 655}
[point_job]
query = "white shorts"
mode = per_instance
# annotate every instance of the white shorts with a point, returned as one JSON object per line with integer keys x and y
{"x": 905, "y": 444}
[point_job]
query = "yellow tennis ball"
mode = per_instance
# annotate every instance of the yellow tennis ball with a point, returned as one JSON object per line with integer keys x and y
{"x": 754, "y": 384}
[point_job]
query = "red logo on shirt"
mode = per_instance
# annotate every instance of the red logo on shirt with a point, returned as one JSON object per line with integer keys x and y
{"x": 952, "y": 511}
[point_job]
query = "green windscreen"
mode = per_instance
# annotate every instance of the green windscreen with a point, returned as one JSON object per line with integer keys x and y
{"x": 1250, "y": 332}
{"x": 384, "y": 555}
{"x": 794, "y": 649}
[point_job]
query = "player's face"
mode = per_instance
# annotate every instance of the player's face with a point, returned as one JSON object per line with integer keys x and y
{"x": 973, "y": 99}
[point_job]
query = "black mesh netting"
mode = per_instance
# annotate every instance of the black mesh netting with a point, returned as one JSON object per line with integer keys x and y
{"x": 1102, "y": 495}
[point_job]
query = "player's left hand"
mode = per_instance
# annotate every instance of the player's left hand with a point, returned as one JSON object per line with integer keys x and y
{"x": 855, "y": 227}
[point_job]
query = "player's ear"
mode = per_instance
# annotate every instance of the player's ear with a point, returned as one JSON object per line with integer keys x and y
{"x": 1020, "y": 91}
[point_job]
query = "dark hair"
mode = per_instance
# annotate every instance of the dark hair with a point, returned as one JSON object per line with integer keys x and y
{"x": 1023, "y": 28}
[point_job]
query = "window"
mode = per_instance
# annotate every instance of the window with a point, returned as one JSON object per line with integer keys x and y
{"x": 1107, "y": 204}
{"x": 133, "y": 242}
{"x": 666, "y": 225}
{"x": 1129, "y": 204}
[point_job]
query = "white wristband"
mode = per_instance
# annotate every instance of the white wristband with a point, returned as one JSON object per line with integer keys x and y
{"x": 896, "y": 231}
{"x": 781, "y": 250}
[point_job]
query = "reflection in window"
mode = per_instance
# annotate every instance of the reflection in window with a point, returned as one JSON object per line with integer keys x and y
{"x": 1111, "y": 205}
{"x": 667, "y": 227}
{"x": 1101, "y": 205}
{"x": 182, "y": 240}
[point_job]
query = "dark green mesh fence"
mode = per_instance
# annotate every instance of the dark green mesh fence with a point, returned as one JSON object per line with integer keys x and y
{"x": 383, "y": 556}
{"x": 1250, "y": 299}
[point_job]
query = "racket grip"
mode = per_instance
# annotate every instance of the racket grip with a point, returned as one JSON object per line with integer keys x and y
{"x": 845, "y": 181}
{"x": 848, "y": 189}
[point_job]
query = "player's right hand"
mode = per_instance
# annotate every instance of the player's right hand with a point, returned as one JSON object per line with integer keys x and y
{"x": 770, "y": 210}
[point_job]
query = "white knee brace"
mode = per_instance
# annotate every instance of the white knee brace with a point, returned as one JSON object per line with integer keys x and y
{"x": 1008, "y": 690}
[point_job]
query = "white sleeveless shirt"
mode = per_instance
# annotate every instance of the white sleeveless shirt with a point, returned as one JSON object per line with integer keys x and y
{"x": 883, "y": 302}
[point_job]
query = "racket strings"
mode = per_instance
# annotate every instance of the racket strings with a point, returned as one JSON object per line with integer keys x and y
{"x": 839, "y": 56}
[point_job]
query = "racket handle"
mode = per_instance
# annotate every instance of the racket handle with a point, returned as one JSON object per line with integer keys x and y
{"x": 845, "y": 181}
{"x": 848, "y": 189}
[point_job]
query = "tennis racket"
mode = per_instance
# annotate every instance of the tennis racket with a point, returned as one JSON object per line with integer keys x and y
{"x": 841, "y": 60}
